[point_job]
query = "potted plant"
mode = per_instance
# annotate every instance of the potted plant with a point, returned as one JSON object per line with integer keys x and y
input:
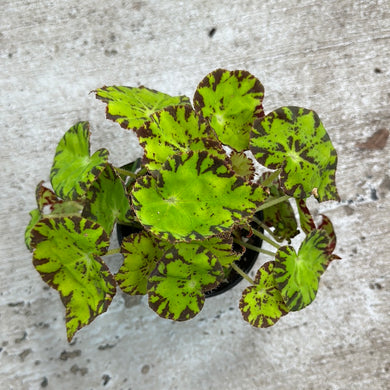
{"x": 193, "y": 206}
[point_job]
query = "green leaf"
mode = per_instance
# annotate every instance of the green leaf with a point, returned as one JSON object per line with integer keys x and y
{"x": 74, "y": 170}
{"x": 141, "y": 252}
{"x": 308, "y": 225}
{"x": 305, "y": 218}
{"x": 194, "y": 196}
{"x": 327, "y": 226}
{"x": 67, "y": 208}
{"x": 132, "y": 167}
{"x": 294, "y": 140}
{"x": 35, "y": 217}
{"x": 231, "y": 101}
{"x": 281, "y": 216}
{"x": 49, "y": 205}
{"x": 45, "y": 198}
{"x": 107, "y": 201}
{"x": 222, "y": 248}
{"x": 262, "y": 304}
{"x": 175, "y": 130}
{"x": 131, "y": 107}
{"x": 66, "y": 255}
{"x": 176, "y": 287}
{"x": 298, "y": 275}
{"x": 242, "y": 165}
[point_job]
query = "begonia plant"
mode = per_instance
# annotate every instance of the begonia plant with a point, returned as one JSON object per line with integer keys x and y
{"x": 214, "y": 173}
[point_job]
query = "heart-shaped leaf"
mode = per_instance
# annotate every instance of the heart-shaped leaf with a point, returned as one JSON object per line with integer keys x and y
{"x": 66, "y": 254}
{"x": 176, "y": 287}
{"x": 141, "y": 252}
{"x": 231, "y": 101}
{"x": 107, "y": 201}
{"x": 298, "y": 275}
{"x": 262, "y": 304}
{"x": 175, "y": 130}
{"x": 294, "y": 140}
{"x": 74, "y": 170}
{"x": 131, "y": 107}
{"x": 194, "y": 196}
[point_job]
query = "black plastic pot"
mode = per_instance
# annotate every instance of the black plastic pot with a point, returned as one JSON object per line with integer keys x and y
{"x": 246, "y": 261}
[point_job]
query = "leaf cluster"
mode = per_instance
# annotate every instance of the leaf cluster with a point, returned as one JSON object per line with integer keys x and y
{"x": 192, "y": 201}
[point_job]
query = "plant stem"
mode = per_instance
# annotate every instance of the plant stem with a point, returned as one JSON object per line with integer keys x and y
{"x": 266, "y": 228}
{"x": 271, "y": 178}
{"x": 142, "y": 172}
{"x": 112, "y": 251}
{"x": 242, "y": 273}
{"x": 254, "y": 248}
{"x": 126, "y": 172}
{"x": 265, "y": 238}
{"x": 272, "y": 202}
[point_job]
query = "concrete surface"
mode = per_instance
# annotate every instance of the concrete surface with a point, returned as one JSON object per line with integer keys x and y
{"x": 331, "y": 56}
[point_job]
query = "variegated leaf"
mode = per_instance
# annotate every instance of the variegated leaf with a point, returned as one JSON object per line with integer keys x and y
{"x": 298, "y": 275}
{"x": 193, "y": 197}
{"x": 67, "y": 256}
{"x": 131, "y": 107}
{"x": 141, "y": 253}
{"x": 175, "y": 130}
{"x": 107, "y": 201}
{"x": 74, "y": 170}
{"x": 294, "y": 140}
{"x": 262, "y": 304}
{"x": 281, "y": 216}
{"x": 305, "y": 218}
{"x": 242, "y": 165}
{"x": 35, "y": 217}
{"x": 176, "y": 287}
{"x": 230, "y": 101}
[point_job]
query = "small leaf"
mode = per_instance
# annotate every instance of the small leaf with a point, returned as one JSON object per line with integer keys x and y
{"x": 193, "y": 197}
{"x": 298, "y": 275}
{"x": 242, "y": 165}
{"x": 231, "y": 101}
{"x": 74, "y": 170}
{"x": 45, "y": 198}
{"x": 305, "y": 218}
{"x": 141, "y": 252}
{"x": 174, "y": 130}
{"x": 280, "y": 216}
{"x": 35, "y": 217}
{"x": 327, "y": 226}
{"x": 107, "y": 201}
{"x": 131, "y": 107}
{"x": 262, "y": 304}
{"x": 176, "y": 287}
{"x": 132, "y": 167}
{"x": 308, "y": 225}
{"x": 66, "y": 255}
{"x": 294, "y": 140}
{"x": 49, "y": 204}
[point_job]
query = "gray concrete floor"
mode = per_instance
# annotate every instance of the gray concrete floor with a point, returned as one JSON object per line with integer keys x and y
{"x": 331, "y": 56}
